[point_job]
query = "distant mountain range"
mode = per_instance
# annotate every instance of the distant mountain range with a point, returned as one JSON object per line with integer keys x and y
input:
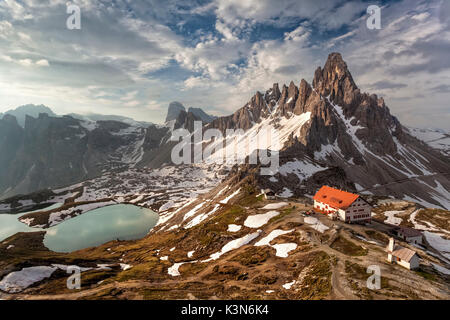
{"x": 31, "y": 110}
{"x": 437, "y": 138}
{"x": 41, "y": 150}
{"x": 331, "y": 133}
{"x": 103, "y": 117}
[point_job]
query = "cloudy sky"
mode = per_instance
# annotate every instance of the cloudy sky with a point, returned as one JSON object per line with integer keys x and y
{"x": 133, "y": 57}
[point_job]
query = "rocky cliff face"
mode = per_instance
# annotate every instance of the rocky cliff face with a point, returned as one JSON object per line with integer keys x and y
{"x": 327, "y": 125}
{"x": 175, "y": 108}
{"x": 11, "y": 136}
{"x": 157, "y": 146}
{"x": 50, "y": 152}
{"x": 53, "y": 152}
{"x": 348, "y": 129}
{"x": 247, "y": 116}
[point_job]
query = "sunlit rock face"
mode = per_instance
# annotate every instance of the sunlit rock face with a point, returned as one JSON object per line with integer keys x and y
{"x": 328, "y": 124}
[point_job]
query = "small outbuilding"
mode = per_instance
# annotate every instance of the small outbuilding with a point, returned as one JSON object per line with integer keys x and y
{"x": 405, "y": 257}
{"x": 409, "y": 234}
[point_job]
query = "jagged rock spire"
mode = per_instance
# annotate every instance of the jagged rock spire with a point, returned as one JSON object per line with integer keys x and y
{"x": 334, "y": 79}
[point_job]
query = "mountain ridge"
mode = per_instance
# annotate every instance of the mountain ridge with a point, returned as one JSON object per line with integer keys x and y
{"x": 322, "y": 126}
{"x": 348, "y": 129}
{"x": 33, "y": 110}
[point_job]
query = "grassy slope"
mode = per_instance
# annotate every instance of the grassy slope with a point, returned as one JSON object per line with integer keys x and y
{"x": 245, "y": 273}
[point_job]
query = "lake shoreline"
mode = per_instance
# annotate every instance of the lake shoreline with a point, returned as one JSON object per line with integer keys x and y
{"x": 14, "y": 224}
{"x": 100, "y": 225}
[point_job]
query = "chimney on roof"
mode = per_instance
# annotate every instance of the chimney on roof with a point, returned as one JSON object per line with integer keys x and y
{"x": 391, "y": 244}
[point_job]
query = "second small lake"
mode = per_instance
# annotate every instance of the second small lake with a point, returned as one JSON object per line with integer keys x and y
{"x": 10, "y": 224}
{"x": 98, "y": 226}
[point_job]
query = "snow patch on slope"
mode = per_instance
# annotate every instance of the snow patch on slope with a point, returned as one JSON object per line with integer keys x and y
{"x": 20, "y": 280}
{"x": 392, "y": 219}
{"x": 258, "y": 220}
{"x": 201, "y": 217}
{"x": 267, "y": 239}
{"x": 316, "y": 224}
{"x": 225, "y": 201}
{"x": 234, "y": 244}
{"x": 302, "y": 169}
{"x": 272, "y": 206}
{"x": 270, "y": 134}
{"x": 234, "y": 228}
{"x": 283, "y": 249}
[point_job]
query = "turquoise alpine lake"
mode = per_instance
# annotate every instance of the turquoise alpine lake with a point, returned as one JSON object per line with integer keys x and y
{"x": 98, "y": 226}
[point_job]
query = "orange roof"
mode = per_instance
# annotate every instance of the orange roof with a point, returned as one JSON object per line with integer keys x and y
{"x": 335, "y": 198}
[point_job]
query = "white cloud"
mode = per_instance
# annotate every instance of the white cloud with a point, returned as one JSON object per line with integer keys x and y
{"x": 129, "y": 56}
{"x": 132, "y": 103}
{"x": 215, "y": 58}
{"x": 225, "y": 30}
{"x": 25, "y": 62}
{"x": 197, "y": 82}
{"x": 129, "y": 96}
{"x": 24, "y": 36}
{"x": 43, "y": 63}
{"x": 402, "y": 53}
{"x": 154, "y": 106}
{"x": 421, "y": 16}
{"x": 300, "y": 34}
{"x": 283, "y": 12}
{"x": 6, "y": 29}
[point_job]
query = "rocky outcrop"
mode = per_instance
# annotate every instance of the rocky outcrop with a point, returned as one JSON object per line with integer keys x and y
{"x": 256, "y": 109}
{"x": 352, "y": 131}
{"x": 11, "y": 137}
{"x": 50, "y": 152}
{"x": 175, "y": 108}
{"x": 345, "y": 129}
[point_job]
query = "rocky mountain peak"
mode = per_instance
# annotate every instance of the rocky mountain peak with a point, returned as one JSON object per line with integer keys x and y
{"x": 276, "y": 93}
{"x": 334, "y": 79}
{"x": 304, "y": 93}
{"x": 178, "y": 113}
{"x": 29, "y": 110}
{"x": 175, "y": 108}
{"x": 273, "y": 95}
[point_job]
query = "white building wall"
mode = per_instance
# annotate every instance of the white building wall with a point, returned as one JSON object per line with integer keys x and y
{"x": 341, "y": 214}
{"x": 323, "y": 207}
{"x": 403, "y": 264}
{"x": 390, "y": 259}
{"x": 412, "y": 264}
{"x": 358, "y": 211}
